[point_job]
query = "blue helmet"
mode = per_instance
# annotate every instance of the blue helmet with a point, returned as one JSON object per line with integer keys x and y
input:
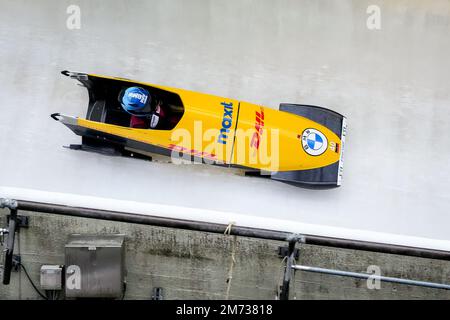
{"x": 136, "y": 101}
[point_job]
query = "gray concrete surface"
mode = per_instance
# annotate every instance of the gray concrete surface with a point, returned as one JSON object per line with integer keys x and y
{"x": 194, "y": 265}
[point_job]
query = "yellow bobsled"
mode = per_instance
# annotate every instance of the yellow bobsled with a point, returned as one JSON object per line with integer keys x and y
{"x": 298, "y": 144}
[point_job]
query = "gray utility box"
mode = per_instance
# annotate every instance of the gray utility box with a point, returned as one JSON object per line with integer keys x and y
{"x": 95, "y": 266}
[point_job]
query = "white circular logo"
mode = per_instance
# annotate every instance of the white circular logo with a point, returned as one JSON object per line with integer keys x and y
{"x": 314, "y": 142}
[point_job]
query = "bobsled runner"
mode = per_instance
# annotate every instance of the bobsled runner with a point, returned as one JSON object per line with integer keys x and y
{"x": 297, "y": 144}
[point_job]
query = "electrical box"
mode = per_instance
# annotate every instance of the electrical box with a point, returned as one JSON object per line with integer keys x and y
{"x": 51, "y": 277}
{"x": 95, "y": 266}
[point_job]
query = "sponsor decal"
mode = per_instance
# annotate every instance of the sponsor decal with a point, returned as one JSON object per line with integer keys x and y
{"x": 259, "y": 127}
{"x": 227, "y": 121}
{"x": 314, "y": 142}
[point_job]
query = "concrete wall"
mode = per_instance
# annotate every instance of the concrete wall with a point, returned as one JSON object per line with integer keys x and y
{"x": 392, "y": 84}
{"x": 194, "y": 265}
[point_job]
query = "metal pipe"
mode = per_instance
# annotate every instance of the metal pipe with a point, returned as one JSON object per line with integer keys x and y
{"x": 236, "y": 230}
{"x": 372, "y": 276}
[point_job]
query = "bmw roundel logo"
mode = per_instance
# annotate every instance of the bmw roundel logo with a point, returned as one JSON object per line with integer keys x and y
{"x": 314, "y": 142}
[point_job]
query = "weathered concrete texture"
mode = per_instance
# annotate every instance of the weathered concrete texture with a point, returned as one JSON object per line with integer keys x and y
{"x": 194, "y": 265}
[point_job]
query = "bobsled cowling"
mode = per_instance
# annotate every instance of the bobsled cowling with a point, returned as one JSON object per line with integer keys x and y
{"x": 298, "y": 144}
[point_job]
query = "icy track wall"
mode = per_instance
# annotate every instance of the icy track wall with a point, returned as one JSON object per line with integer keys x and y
{"x": 383, "y": 64}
